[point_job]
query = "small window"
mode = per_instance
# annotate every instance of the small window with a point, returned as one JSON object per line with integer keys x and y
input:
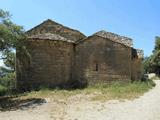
{"x": 96, "y": 67}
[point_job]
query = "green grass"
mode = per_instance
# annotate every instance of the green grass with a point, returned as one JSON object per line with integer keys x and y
{"x": 100, "y": 92}
{"x": 127, "y": 91}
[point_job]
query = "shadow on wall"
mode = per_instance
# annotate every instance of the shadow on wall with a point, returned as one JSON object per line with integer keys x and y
{"x": 13, "y": 103}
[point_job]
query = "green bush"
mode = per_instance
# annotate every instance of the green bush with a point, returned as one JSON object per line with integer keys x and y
{"x": 3, "y": 90}
{"x": 7, "y": 83}
{"x": 8, "y": 80}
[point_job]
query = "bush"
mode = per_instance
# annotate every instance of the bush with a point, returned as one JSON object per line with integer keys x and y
{"x": 7, "y": 83}
{"x": 8, "y": 80}
{"x": 3, "y": 90}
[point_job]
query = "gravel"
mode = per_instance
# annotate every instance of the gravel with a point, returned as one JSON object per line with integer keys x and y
{"x": 147, "y": 107}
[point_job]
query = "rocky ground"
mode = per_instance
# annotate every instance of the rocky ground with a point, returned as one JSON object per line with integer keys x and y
{"x": 80, "y": 107}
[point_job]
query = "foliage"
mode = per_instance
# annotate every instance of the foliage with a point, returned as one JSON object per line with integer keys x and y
{"x": 3, "y": 90}
{"x": 7, "y": 83}
{"x": 4, "y": 71}
{"x": 8, "y": 80}
{"x": 147, "y": 65}
{"x": 157, "y": 44}
{"x": 10, "y": 33}
{"x": 156, "y": 57}
{"x": 11, "y": 37}
{"x": 152, "y": 63}
{"x": 10, "y": 61}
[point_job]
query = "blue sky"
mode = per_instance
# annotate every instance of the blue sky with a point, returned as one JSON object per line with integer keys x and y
{"x": 137, "y": 19}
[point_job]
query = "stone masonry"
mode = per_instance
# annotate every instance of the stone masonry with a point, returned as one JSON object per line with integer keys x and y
{"x": 59, "y": 56}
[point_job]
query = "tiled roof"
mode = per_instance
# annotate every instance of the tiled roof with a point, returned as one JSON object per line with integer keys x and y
{"x": 115, "y": 37}
{"x": 49, "y": 36}
{"x": 53, "y": 27}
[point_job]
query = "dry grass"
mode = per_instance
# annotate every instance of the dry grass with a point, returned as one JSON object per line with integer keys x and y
{"x": 127, "y": 91}
{"x": 101, "y": 92}
{"x": 155, "y": 78}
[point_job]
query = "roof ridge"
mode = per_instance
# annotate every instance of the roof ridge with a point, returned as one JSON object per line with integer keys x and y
{"x": 115, "y": 37}
{"x": 49, "y": 36}
{"x": 57, "y": 28}
{"x": 50, "y": 20}
{"x": 103, "y": 31}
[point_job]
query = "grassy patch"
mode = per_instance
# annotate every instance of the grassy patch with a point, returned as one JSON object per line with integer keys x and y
{"x": 100, "y": 92}
{"x": 127, "y": 91}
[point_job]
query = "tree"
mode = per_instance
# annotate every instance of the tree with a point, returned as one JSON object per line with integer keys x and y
{"x": 10, "y": 61}
{"x": 157, "y": 44}
{"x": 152, "y": 63}
{"x": 11, "y": 36}
{"x": 156, "y": 56}
{"x": 146, "y": 64}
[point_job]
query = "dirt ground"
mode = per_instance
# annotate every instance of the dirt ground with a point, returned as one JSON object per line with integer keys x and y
{"x": 81, "y": 107}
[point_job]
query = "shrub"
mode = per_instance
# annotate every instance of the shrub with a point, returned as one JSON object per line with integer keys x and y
{"x": 3, "y": 90}
{"x": 7, "y": 83}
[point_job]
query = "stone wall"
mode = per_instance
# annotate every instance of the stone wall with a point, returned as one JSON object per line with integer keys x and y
{"x": 49, "y": 64}
{"x": 61, "y": 63}
{"x": 102, "y": 60}
{"x": 61, "y": 56}
{"x": 137, "y": 68}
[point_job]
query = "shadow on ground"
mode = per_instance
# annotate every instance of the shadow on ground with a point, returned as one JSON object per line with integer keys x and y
{"x": 14, "y": 103}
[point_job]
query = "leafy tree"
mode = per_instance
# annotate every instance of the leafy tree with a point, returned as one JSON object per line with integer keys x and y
{"x": 157, "y": 44}
{"x": 146, "y": 64}
{"x": 10, "y": 61}
{"x": 11, "y": 36}
{"x": 4, "y": 71}
{"x": 156, "y": 56}
{"x": 152, "y": 63}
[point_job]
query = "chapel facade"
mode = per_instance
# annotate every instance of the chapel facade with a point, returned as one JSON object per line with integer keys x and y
{"x": 59, "y": 56}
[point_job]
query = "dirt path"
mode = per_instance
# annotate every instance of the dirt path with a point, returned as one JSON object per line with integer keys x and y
{"x": 78, "y": 107}
{"x": 147, "y": 107}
